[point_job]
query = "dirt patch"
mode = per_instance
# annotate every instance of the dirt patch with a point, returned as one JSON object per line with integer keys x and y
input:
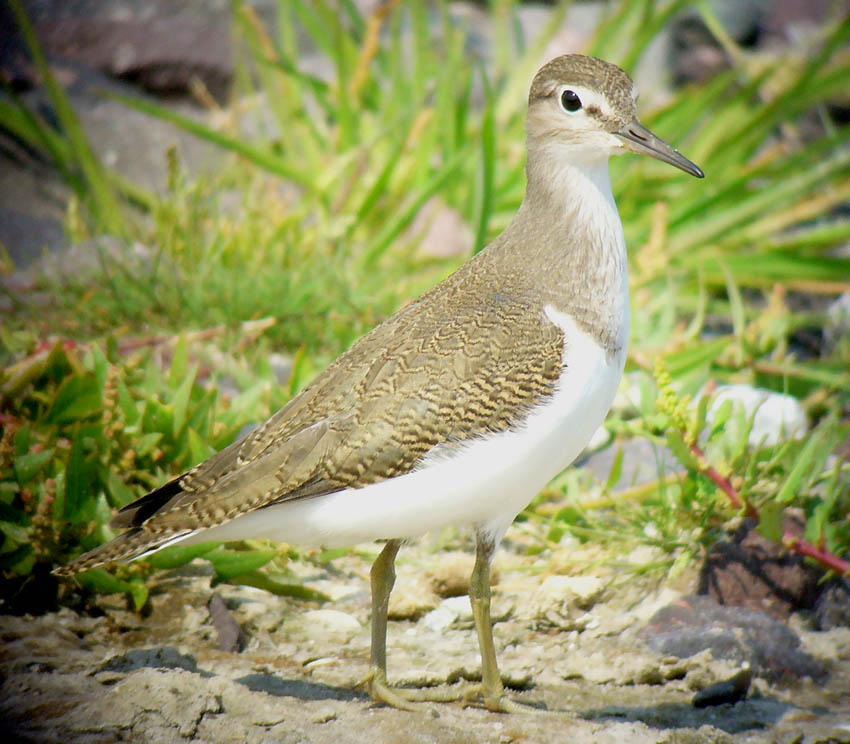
{"x": 573, "y": 655}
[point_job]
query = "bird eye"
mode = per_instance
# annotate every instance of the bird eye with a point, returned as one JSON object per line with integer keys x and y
{"x": 570, "y": 101}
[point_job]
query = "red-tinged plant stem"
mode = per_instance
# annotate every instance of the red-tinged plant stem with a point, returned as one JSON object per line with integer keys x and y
{"x": 789, "y": 541}
{"x": 824, "y": 557}
{"x": 724, "y": 485}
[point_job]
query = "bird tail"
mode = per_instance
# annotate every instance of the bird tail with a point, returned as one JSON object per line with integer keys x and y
{"x": 134, "y": 543}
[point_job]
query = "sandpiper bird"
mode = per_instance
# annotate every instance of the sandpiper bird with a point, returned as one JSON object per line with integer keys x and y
{"x": 459, "y": 408}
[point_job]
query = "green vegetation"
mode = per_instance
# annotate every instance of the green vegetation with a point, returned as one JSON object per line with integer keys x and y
{"x": 306, "y": 237}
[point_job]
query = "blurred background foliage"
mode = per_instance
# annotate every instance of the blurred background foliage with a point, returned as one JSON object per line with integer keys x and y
{"x": 315, "y": 228}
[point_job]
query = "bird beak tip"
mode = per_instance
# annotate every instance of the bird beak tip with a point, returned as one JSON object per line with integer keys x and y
{"x": 639, "y": 139}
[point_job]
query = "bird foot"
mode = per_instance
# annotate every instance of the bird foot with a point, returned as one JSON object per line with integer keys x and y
{"x": 497, "y": 701}
{"x": 375, "y": 683}
{"x": 411, "y": 699}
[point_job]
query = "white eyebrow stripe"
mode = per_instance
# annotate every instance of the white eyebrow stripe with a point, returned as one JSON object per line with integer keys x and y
{"x": 588, "y": 97}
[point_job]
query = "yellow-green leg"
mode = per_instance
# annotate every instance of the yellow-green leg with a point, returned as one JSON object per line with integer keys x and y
{"x": 383, "y": 579}
{"x": 491, "y": 687}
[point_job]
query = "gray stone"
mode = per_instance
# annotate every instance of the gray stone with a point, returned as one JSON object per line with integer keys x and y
{"x": 696, "y": 623}
{"x": 728, "y": 691}
{"x": 832, "y": 608}
{"x": 231, "y": 637}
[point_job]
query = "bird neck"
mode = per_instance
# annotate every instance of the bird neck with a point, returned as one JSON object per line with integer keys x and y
{"x": 576, "y": 186}
{"x": 572, "y": 241}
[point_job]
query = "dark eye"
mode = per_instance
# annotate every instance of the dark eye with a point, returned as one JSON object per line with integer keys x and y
{"x": 570, "y": 101}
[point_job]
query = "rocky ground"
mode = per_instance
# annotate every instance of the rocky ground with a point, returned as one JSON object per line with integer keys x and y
{"x": 578, "y": 649}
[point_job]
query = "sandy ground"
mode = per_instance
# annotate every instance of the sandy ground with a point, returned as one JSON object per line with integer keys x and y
{"x": 569, "y": 648}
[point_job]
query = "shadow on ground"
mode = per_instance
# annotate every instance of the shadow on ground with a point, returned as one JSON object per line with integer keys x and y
{"x": 300, "y": 689}
{"x": 754, "y": 714}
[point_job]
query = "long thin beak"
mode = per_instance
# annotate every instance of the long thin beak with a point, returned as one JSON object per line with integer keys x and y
{"x": 637, "y": 138}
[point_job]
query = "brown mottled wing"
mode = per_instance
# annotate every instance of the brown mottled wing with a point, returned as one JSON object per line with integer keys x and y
{"x": 465, "y": 359}
{"x": 378, "y": 410}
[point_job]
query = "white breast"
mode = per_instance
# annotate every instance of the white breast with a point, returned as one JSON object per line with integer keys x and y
{"x": 487, "y": 482}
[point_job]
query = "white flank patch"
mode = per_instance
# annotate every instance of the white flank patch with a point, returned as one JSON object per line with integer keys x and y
{"x": 487, "y": 482}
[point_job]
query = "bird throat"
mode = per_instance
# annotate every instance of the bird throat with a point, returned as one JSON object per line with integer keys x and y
{"x": 573, "y": 248}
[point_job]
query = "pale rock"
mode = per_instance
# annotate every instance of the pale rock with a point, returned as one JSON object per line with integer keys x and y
{"x": 643, "y": 554}
{"x": 447, "y": 613}
{"x": 449, "y": 576}
{"x": 777, "y": 416}
{"x": 440, "y": 619}
{"x": 561, "y": 602}
{"x": 652, "y": 603}
{"x": 583, "y": 591}
{"x": 334, "y": 622}
{"x": 459, "y": 605}
{"x": 411, "y": 600}
{"x": 618, "y": 667}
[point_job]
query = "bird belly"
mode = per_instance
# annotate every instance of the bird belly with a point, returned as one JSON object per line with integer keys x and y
{"x": 486, "y": 481}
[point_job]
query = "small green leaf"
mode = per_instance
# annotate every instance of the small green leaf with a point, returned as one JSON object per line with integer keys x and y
{"x": 736, "y": 304}
{"x": 101, "y": 366}
{"x": 331, "y": 554}
{"x": 810, "y": 459}
{"x": 181, "y": 401}
{"x": 22, "y": 440}
{"x": 179, "y": 555}
{"x": 179, "y": 362}
{"x": 720, "y": 417}
{"x": 555, "y": 532}
{"x": 569, "y": 515}
{"x": 119, "y": 493}
{"x": 127, "y": 404}
{"x": 616, "y": 470}
{"x": 78, "y": 398}
{"x": 770, "y": 521}
{"x": 702, "y": 412}
{"x": 229, "y": 563}
{"x": 200, "y": 418}
{"x": 16, "y": 534}
{"x": 104, "y": 582}
{"x": 261, "y": 581}
{"x": 146, "y": 443}
{"x": 100, "y": 580}
{"x": 158, "y": 417}
{"x": 682, "y": 451}
{"x": 199, "y": 450}
{"x": 78, "y": 482}
{"x": 693, "y": 358}
{"x": 29, "y": 465}
{"x": 139, "y": 593}
{"x": 18, "y": 560}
